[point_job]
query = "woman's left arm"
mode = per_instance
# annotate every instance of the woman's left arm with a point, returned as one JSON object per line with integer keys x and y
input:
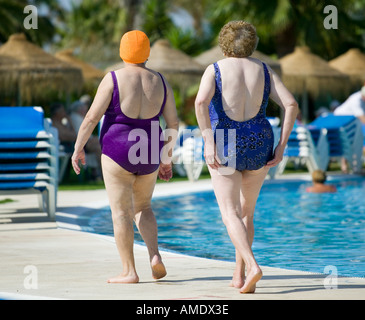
{"x": 92, "y": 118}
{"x": 281, "y": 95}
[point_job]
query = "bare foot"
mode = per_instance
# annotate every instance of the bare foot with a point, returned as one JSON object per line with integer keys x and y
{"x": 158, "y": 268}
{"x": 238, "y": 280}
{"x": 252, "y": 278}
{"x": 124, "y": 279}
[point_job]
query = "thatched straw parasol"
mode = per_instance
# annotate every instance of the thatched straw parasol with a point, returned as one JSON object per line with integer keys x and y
{"x": 92, "y": 76}
{"x": 166, "y": 59}
{"x": 212, "y": 55}
{"x": 89, "y": 72}
{"x": 28, "y": 72}
{"x": 305, "y": 70}
{"x": 351, "y": 63}
{"x": 6, "y": 63}
{"x": 309, "y": 76}
{"x": 180, "y": 70}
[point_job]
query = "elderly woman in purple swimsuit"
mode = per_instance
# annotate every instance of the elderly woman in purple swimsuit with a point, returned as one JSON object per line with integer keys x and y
{"x": 230, "y": 109}
{"x": 134, "y": 151}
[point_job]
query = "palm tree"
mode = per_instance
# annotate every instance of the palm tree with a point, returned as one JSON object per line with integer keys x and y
{"x": 283, "y": 24}
{"x": 156, "y": 22}
{"x": 94, "y": 27}
{"x": 12, "y": 18}
{"x": 10, "y": 15}
{"x": 198, "y": 10}
{"x": 132, "y": 7}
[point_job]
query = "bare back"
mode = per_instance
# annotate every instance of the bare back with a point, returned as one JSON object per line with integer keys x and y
{"x": 141, "y": 92}
{"x": 243, "y": 84}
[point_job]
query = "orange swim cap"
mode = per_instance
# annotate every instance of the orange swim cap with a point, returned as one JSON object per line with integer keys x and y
{"x": 134, "y": 47}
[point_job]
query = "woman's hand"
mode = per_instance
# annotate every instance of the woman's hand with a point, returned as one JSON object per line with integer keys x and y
{"x": 165, "y": 171}
{"x": 210, "y": 156}
{"x": 76, "y": 157}
{"x": 278, "y": 157}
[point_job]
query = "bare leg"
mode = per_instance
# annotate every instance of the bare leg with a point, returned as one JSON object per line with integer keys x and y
{"x": 119, "y": 186}
{"x": 146, "y": 221}
{"x": 251, "y": 185}
{"x": 227, "y": 190}
{"x": 238, "y": 278}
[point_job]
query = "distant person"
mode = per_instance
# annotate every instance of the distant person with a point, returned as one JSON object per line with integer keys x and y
{"x": 132, "y": 99}
{"x": 319, "y": 178}
{"x": 333, "y": 105}
{"x": 322, "y": 112}
{"x": 353, "y": 106}
{"x": 92, "y": 147}
{"x": 230, "y": 108}
{"x": 62, "y": 121}
{"x": 86, "y": 99}
{"x": 78, "y": 112}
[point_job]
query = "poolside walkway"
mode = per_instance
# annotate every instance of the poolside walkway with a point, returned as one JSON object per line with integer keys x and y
{"x": 41, "y": 260}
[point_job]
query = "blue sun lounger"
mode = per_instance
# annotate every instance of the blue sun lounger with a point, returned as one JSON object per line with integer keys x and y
{"x": 188, "y": 153}
{"x": 345, "y": 138}
{"x": 29, "y": 155}
{"x": 302, "y": 147}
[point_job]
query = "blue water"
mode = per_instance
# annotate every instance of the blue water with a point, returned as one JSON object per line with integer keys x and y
{"x": 293, "y": 229}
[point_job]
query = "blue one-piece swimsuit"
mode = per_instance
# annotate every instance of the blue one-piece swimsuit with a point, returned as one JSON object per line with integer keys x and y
{"x": 243, "y": 145}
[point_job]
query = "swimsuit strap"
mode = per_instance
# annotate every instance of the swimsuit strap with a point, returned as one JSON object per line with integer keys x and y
{"x": 115, "y": 98}
{"x": 218, "y": 78}
{"x": 218, "y": 91}
{"x": 165, "y": 95}
{"x": 267, "y": 87}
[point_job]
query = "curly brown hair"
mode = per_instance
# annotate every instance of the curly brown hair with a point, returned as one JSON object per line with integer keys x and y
{"x": 238, "y": 39}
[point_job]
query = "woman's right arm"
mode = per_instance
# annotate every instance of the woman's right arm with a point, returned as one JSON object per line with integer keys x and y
{"x": 281, "y": 95}
{"x": 202, "y": 101}
{"x": 92, "y": 118}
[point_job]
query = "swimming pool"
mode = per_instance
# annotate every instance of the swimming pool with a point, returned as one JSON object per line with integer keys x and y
{"x": 293, "y": 229}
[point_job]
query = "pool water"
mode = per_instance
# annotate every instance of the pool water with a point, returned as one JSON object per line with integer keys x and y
{"x": 293, "y": 229}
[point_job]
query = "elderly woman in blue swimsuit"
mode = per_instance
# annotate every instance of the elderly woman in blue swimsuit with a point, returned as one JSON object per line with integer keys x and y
{"x": 230, "y": 109}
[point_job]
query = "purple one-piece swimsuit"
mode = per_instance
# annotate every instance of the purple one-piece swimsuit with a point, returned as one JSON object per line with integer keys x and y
{"x": 134, "y": 144}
